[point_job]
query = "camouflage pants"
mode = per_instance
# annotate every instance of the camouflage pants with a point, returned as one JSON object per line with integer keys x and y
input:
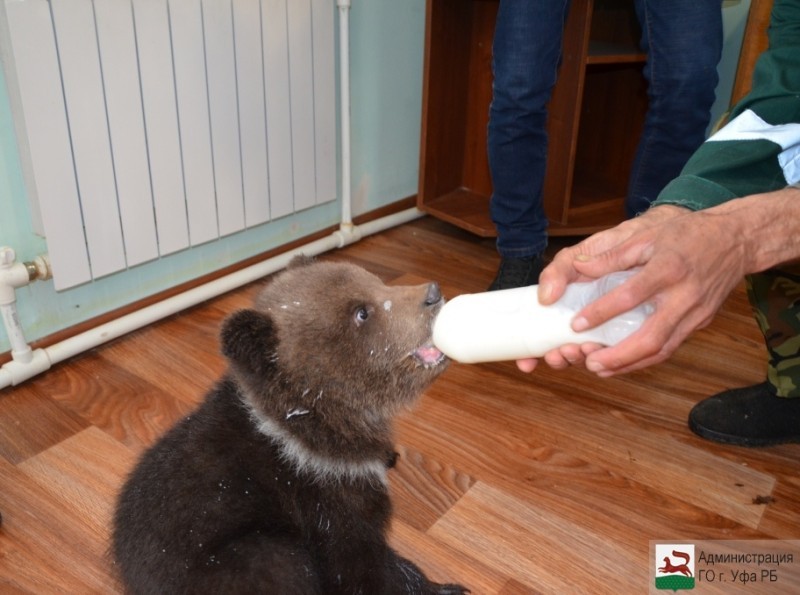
{"x": 775, "y": 297}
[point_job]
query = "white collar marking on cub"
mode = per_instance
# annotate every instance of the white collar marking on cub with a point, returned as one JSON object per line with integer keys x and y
{"x": 321, "y": 467}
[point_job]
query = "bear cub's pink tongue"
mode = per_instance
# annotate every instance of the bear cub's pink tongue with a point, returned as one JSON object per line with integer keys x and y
{"x": 429, "y": 355}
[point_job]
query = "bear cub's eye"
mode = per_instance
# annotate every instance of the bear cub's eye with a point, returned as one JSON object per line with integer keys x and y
{"x": 361, "y": 315}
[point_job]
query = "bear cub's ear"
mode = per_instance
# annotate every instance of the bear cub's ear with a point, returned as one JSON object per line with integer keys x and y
{"x": 249, "y": 340}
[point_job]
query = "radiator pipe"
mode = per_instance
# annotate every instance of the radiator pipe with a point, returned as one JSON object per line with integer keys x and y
{"x": 24, "y": 361}
{"x": 344, "y": 100}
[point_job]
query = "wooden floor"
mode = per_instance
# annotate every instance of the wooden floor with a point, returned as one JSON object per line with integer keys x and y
{"x": 508, "y": 483}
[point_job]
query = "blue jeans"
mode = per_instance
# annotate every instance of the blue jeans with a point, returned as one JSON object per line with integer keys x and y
{"x": 683, "y": 41}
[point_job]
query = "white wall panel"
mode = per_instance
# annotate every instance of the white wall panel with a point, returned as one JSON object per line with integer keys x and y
{"x": 161, "y": 123}
{"x": 223, "y": 103}
{"x": 324, "y": 100}
{"x": 276, "y": 82}
{"x": 117, "y": 44}
{"x": 39, "y": 77}
{"x": 85, "y": 99}
{"x": 188, "y": 47}
{"x": 301, "y": 78}
{"x": 252, "y": 112}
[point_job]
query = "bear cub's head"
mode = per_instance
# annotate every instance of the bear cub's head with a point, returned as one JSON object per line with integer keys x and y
{"x": 329, "y": 342}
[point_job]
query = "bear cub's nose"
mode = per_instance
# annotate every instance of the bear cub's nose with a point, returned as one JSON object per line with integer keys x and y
{"x": 434, "y": 295}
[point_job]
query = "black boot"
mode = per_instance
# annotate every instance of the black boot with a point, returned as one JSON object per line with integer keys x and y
{"x": 517, "y": 272}
{"x": 749, "y": 416}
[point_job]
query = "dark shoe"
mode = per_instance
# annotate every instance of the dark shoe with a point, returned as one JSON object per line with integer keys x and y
{"x": 749, "y": 416}
{"x": 517, "y": 272}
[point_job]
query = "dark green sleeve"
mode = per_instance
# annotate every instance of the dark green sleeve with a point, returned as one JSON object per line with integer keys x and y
{"x": 751, "y": 163}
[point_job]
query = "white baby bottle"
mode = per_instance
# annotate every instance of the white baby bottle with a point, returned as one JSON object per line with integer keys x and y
{"x": 511, "y": 324}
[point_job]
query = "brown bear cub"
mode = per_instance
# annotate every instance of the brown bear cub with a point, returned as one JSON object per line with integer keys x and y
{"x": 277, "y": 484}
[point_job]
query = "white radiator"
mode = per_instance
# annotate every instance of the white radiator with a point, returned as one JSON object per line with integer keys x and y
{"x": 150, "y": 126}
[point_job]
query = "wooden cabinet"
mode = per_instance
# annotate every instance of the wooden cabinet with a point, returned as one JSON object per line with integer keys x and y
{"x": 595, "y": 115}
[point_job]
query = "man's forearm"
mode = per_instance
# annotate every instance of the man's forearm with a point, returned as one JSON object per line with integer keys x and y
{"x": 767, "y": 224}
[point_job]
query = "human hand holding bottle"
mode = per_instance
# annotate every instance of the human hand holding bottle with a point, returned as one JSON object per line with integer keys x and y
{"x": 689, "y": 263}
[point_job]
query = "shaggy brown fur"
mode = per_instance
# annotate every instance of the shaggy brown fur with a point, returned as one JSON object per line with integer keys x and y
{"x": 277, "y": 483}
